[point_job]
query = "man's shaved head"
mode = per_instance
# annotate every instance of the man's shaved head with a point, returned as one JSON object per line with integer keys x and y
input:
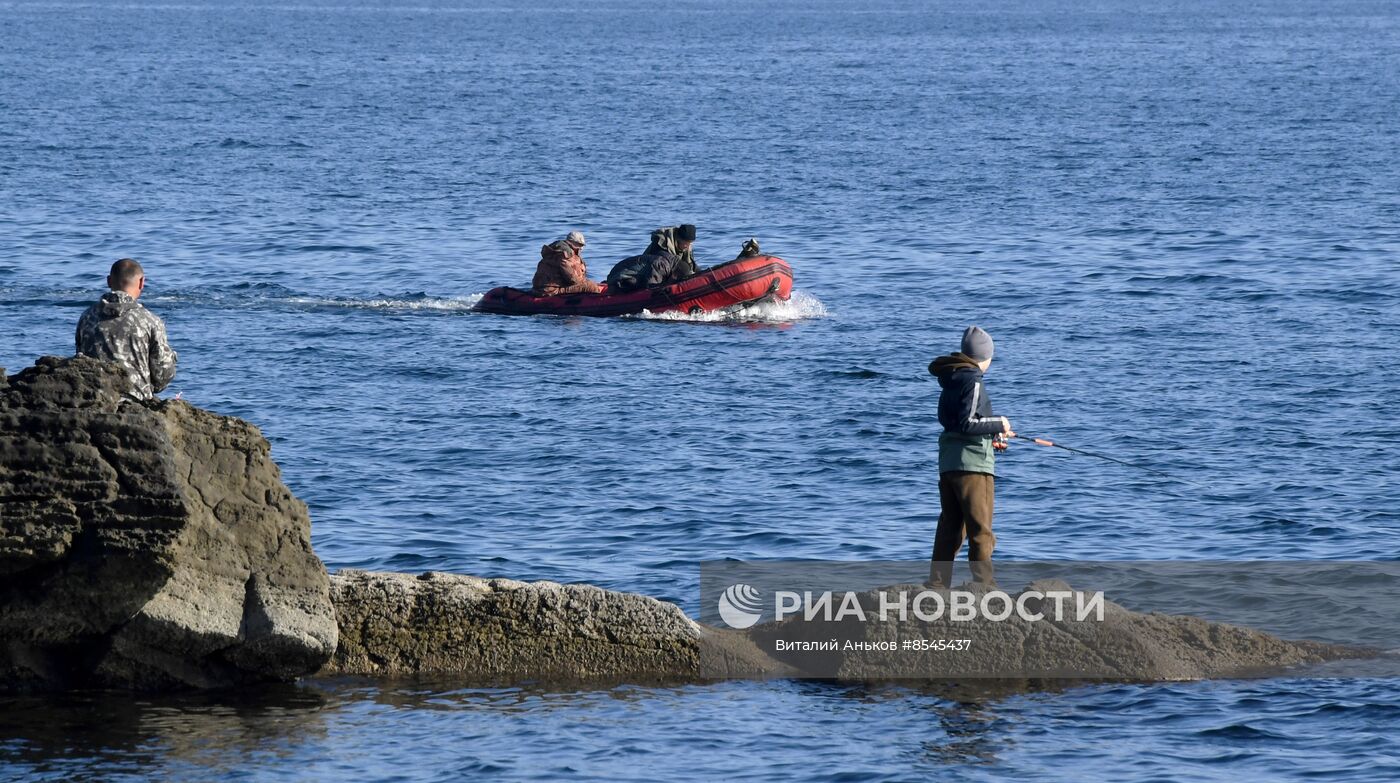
{"x": 125, "y": 274}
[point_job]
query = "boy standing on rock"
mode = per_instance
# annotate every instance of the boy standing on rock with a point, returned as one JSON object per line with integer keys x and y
{"x": 966, "y": 459}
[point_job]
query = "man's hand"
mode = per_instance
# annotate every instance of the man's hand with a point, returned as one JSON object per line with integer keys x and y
{"x": 1006, "y": 430}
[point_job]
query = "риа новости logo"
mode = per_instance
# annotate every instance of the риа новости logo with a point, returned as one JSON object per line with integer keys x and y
{"x": 740, "y": 606}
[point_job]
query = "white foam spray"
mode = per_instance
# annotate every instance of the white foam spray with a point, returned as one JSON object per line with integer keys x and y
{"x": 801, "y": 307}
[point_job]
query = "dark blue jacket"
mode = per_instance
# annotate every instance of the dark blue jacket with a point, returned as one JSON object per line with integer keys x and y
{"x": 965, "y": 411}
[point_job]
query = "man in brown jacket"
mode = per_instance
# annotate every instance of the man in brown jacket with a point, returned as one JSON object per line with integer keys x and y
{"x": 561, "y": 269}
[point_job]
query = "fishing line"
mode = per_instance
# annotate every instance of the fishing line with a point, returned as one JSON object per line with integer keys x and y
{"x": 1153, "y": 471}
{"x": 1051, "y": 444}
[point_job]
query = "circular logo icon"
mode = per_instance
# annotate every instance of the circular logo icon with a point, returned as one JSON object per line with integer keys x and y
{"x": 740, "y": 606}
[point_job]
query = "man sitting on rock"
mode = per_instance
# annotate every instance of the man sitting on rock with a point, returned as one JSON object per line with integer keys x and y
{"x": 561, "y": 269}
{"x": 118, "y": 329}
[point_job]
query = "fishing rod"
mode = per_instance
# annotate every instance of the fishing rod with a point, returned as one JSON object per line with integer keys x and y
{"x": 1054, "y": 445}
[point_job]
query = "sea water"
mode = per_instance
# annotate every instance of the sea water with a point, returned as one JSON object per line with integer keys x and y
{"x": 1179, "y": 221}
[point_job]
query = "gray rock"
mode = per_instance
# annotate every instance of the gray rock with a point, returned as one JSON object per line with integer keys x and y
{"x": 147, "y": 545}
{"x": 501, "y": 630}
{"x": 1123, "y": 646}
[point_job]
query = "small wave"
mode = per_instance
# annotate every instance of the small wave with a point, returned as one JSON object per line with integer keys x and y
{"x": 801, "y": 307}
{"x": 858, "y": 374}
{"x": 1241, "y": 731}
{"x": 1197, "y": 277}
{"x": 231, "y": 143}
{"x": 337, "y": 248}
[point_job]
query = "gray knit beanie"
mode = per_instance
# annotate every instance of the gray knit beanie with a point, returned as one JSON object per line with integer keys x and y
{"x": 575, "y": 237}
{"x": 977, "y": 344}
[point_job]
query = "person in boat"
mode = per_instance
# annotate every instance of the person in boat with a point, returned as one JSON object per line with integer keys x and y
{"x": 967, "y": 448}
{"x": 666, "y": 260}
{"x": 678, "y": 241}
{"x": 562, "y": 269}
{"x": 118, "y": 329}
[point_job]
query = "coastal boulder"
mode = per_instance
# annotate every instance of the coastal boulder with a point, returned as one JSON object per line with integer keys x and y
{"x": 1106, "y": 642}
{"x": 501, "y": 630}
{"x": 147, "y": 545}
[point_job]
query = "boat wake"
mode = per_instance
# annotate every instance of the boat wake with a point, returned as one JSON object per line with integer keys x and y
{"x": 425, "y": 303}
{"x": 276, "y": 297}
{"x": 801, "y": 307}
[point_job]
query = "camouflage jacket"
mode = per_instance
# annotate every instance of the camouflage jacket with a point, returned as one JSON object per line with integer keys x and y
{"x": 562, "y": 271}
{"x": 118, "y": 329}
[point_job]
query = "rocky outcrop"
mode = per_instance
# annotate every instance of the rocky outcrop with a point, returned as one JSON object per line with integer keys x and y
{"x": 501, "y": 630}
{"x": 147, "y": 545}
{"x": 153, "y": 545}
{"x": 1118, "y": 645}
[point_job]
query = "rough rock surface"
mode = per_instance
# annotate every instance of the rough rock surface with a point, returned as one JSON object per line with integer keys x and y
{"x": 146, "y": 545}
{"x": 1123, "y": 646}
{"x": 500, "y": 629}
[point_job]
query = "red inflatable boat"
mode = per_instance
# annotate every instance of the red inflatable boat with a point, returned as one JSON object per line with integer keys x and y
{"x": 738, "y": 282}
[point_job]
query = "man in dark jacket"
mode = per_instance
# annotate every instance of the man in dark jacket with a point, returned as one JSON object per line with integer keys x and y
{"x": 966, "y": 459}
{"x": 676, "y": 240}
{"x": 118, "y": 329}
{"x": 666, "y": 260}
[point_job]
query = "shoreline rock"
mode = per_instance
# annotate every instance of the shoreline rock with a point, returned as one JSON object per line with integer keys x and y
{"x": 1122, "y": 646}
{"x": 147, "y": 545}
{"x": 154, "y": 546}
{"x": 499, "y": 629}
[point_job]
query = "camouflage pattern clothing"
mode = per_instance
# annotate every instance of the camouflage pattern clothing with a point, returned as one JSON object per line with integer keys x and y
{"x": 562, "y": 271}
{"x": 118, "y": 329}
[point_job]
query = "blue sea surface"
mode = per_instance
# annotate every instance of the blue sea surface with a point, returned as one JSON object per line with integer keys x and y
{"x": 1179, "y": 220}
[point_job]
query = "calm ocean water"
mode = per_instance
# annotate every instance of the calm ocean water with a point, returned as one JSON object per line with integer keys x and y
{"x": 1181, "y": 221}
